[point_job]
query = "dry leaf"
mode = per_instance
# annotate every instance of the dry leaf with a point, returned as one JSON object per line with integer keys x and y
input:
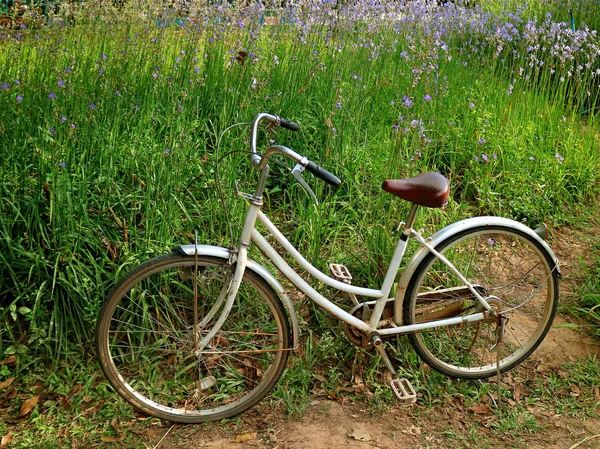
{"x": 245, "y": 437}
{"x": 575, "y": 391}
{"x": 481, "y": 409}
{"x": 10, "y": 360}
{"x": 519, "y": 391}
{"x": 6, "y": 383}
{"x": 414, "y": 430}
{"x": 109, "y": 439}
{"x": 28, "y": 405}
{"x": 319, "y": 377}
{"x": 6, "y": 439}
{"x": 359, "y": 435}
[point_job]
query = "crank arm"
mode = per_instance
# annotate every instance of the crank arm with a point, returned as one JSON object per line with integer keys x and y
{"x": 297, "y": 173}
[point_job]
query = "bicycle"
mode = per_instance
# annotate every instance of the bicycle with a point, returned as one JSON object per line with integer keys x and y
{"x": 204, "y": 333}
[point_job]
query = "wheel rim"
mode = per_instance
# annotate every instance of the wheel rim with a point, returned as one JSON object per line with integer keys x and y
{"x": 150, "y": 343}
{"x": 503, "y": 264}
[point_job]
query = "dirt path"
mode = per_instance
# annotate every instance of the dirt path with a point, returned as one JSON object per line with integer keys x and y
{"x": 329, "y": 424}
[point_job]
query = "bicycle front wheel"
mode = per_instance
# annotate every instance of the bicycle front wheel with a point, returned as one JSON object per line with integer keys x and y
{"x": 506, "y": 265}
{"x": 152, "y": 321}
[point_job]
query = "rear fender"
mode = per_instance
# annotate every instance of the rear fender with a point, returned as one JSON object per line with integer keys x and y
{"x": 448, "y": 232}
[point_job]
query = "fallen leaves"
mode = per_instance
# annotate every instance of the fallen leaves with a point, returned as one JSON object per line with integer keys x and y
{"x": 481, "y": 409}
{"x": 359, "y": 434}
{"x": 6, "y": 439}
{"x": 5, "y": 384}
{"x": 28, "y": 405}
{"x": 245, "y": 437}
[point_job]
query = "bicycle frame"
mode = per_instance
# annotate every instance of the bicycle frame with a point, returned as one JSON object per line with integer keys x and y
{"x": 373, "y": 327}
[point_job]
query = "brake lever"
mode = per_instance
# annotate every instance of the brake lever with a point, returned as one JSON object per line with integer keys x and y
{"x": 297, "y": 173}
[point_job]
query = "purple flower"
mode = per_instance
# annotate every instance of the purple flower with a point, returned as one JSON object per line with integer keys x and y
{"x": 73, "y": 126}
{"x": 510, "y": 89}
{"x": 559, "y": 158}
{"x": 154, "y": 75}
{"x": 17, "y": 82}
{"x": 481, "y": 141}
{"x": 494, "y": 156}
{"x": 63, "y": 118}
{"x": 5, "y": 86}
{"x": 136, "y": 107}
{"x": 117, "y": 93}
{"x": 166, "y": 151}
{"x": 52, "y": 96}
{"x": 61, "y": 83}
{"x": 407, "y": 102}
{"x": 392, "y": 103}
{"x": 68, "y": 69}
{"x": 92, "y": 105}
{"x": 62, "y": 164}
{"x": 475, "y": 158}
{"x": 338, "y": 105}
{"x": 52, "y": 130}
{"x": 427, "y": 97}
{"x": 472, "y": 105}
{"x": 485, "y": 158}
{"x": 19, "y": 98}
{"x": 532, "y": 158}
{"x": 103, "y": 57}
{"x": 395, "y": 127}
{"x": 491, "y": 241}
{"x": 334, "y": 130}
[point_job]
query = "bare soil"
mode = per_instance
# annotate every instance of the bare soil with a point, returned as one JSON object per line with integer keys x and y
{"x": 329, "y": 424}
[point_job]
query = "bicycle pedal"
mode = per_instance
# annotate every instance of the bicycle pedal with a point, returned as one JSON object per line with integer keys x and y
{"x": 340, "y": 273}
{"x": 403, "y": 390}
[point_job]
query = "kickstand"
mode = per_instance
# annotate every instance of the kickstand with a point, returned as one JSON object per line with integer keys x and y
{"x": 498, "y": 348}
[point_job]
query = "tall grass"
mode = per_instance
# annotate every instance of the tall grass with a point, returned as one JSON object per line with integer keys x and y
{"x": 109, "y": 121}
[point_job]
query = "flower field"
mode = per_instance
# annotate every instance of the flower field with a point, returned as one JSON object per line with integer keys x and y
{"x": 110, "y": 118}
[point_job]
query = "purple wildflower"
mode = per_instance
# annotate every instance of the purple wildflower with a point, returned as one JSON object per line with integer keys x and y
{"x": 485, "y": 158}
{"x": 92, "y": 105}
{"x": 52, "y": 130}
{"x": 68, "y": 69}
{"x": 395, "y": 127}
{"x": 338, "y": 105}
{"x": 510, "y": 89}
{"x": 103, "y": 57}
{"x": 472, "y": 105}
{"x": 52, "y": 96}
{"x": 166, "y": 151}
{"x": 136, "y": 107}
{"x": 73, "y": 126}
{"x": 19, "y": 98}
{"x": 532, "y": 158}
{"x": 5, "y": 86}
{"x": 491, "y": 241}
{"x": 559, "y": 158}
{"x": 334, "y": 130}
{"x": 62, "y": 164}
{"x": 61, "y": 83}
{"x": 407, "y": 102}
{"x": 475, "y": 158}
{"x": 481, "y": 141}
{"x": 427, "y": 97}
{"x": 17, "y": 82}
{"x": 117, "y": 93}
{"x": 63, "y": 118}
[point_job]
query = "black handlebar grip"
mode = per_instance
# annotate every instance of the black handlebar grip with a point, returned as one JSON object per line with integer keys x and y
{"x": 323, "y": 174}
{"x": 288, "y": 124}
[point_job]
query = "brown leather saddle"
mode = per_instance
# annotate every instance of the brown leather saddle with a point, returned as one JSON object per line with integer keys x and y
{"x": 426, "y": 189}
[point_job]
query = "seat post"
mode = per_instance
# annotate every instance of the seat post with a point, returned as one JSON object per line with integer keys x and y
{"x": 412, "y": 215}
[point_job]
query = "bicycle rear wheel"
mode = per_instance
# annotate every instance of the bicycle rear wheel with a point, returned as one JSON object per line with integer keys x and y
{"x": 148, "y": 351}
{"x": 503, "y": 263}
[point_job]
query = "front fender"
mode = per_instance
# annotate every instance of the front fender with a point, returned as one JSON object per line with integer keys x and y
{"x": 448, "y": 232}
{"x": 223, "y": 253}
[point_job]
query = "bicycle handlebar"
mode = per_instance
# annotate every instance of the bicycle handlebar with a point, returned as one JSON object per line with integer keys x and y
{"x": 259, "y": 161}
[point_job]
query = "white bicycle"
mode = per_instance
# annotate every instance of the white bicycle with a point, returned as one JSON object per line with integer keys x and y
{"x": 204, "y": 333}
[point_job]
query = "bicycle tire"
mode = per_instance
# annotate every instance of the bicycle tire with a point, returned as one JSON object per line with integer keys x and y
{"x": 145, "y": 340}
{"x": 503, "y": 262}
